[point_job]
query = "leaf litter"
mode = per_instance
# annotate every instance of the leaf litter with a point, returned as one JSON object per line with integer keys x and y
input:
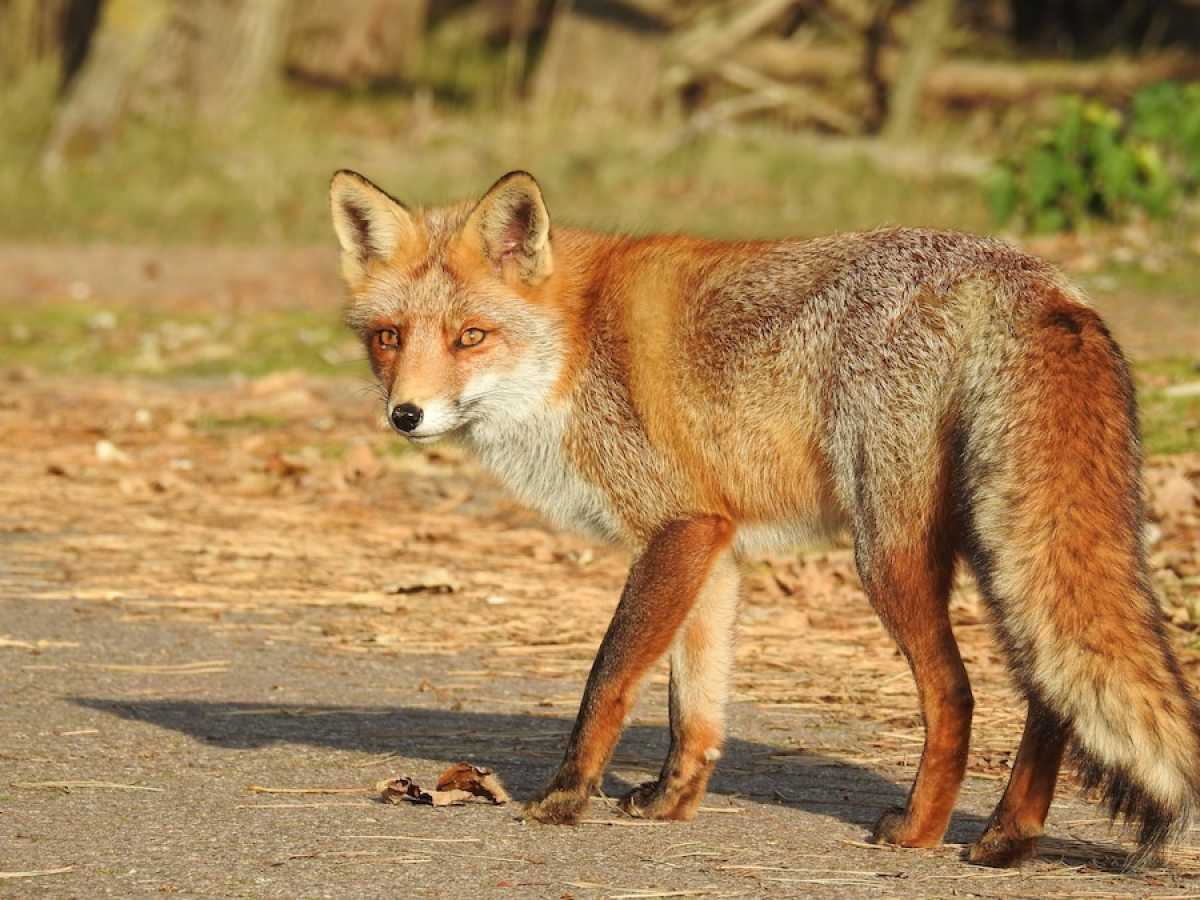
{"x": 303, "y": 523}
{"x": 458, "y": 784}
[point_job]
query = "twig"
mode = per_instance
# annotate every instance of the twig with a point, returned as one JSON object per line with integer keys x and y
{"x": 626, "y": 823}
{"x": 296, "y": 805}
{"x": 259, "y": 789}
{"x": 37, "y": 873}
{"x": 410, "y": 837}
{"x": 105, "y": 785}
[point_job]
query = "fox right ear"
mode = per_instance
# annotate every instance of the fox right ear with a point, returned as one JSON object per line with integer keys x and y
{"x": 370, "y": 223}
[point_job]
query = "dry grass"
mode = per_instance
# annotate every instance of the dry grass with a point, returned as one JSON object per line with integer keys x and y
{"x": 270, "y": 534}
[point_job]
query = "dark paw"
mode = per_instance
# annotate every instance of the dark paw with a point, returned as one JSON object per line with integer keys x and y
{"x": 652, "y": 801}
{"x": 894, "y": 827}
{"x": 890, "y": 827}
{"x": 1000, "y": 849}
{"x": 557, "y": 807}
{"x": 647, "y": 801}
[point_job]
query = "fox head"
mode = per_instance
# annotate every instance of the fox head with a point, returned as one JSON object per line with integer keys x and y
{"x": 451, "y": 303}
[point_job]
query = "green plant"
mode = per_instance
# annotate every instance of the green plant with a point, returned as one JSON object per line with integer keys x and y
{"x": 1168, "y": 114}
{"x": 1090, "y": 165}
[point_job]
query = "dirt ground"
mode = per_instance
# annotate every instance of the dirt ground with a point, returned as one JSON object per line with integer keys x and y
{"x": 228, "y": 607}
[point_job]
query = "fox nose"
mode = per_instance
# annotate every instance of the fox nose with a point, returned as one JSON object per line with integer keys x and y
{"x": 406, "y": 417}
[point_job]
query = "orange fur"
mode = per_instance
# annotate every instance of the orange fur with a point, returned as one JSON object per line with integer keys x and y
{"x": 943, "y": 396}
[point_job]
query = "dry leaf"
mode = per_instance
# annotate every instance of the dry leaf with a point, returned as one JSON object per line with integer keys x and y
{"x": 360, "y": 462}
{"x": 455, "y": 786}
{"x": 433, "y": 581}
{"x": 395, "y": 790}
{"x": 285, "y": 466}
{"x": 1174, "y": 495}
{"x": 475, "y": 779}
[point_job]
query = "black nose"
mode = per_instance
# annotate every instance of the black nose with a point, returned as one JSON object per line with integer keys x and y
{"x": 406, "y": 417}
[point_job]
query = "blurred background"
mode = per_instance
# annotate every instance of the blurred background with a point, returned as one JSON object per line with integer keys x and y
{"x": 220, "y": 120}
{"x": 220, "y": 569}
{"x": 163, "y": 163}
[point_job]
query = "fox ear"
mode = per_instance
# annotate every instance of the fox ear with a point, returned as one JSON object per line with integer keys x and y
{"x": 511, "y": 223}
{"x": 370, "y": 223}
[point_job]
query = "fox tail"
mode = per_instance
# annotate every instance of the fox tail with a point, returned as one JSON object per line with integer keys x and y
{"x": 1050, "y": 450}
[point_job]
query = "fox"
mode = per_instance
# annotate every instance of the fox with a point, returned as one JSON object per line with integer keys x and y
{"x": 945, "y": 399}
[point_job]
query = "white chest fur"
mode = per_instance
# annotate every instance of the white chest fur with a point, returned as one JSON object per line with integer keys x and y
{"x": 529, "y": 458}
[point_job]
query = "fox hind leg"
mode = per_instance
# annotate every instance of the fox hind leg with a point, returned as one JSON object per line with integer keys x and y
{"x": 1013, "y": 829}
{"x": 701, "y": 657}
{"x": 910, "y": 591}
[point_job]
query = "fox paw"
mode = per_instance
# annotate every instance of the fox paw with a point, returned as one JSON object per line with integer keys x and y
{"x": 652, "y": 801}
{"x": 556, "y": 807}
{"x": 1000, "y": 849}
{"x": 893, "y": 828}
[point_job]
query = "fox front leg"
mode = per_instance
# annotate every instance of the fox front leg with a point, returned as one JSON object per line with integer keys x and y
{"x": 663, "y": 588}
{"x": 701, "y": 659}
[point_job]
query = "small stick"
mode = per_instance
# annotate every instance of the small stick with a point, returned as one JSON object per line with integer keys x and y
{"x": 626, "y": 823}
{"x": 296, "y": 805}
{"x": 410, "y": 837}
{"x": 107, "y": 785}
{"x": 37, "y": 873}
{"x": 259, "y": 789}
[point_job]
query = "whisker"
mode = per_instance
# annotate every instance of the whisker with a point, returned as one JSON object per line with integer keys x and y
{"x": 371, "y": 388}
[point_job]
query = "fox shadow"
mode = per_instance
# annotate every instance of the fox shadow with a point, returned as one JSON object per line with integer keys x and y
{"x": 525, "y": 750}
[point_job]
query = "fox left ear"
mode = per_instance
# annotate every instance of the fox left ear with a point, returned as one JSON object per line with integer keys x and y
{"x": 511, "y": 223}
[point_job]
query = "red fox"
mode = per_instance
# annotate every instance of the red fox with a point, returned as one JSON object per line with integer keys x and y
{"x": 942, "y": 396}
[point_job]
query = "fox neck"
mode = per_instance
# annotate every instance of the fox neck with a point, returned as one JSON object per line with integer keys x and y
{"x": 529, "y": 457}
{"x": 526, "y": 450}
{"x": 570, "y": 295}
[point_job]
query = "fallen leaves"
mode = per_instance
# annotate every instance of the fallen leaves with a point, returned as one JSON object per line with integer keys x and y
{"x": 1174, "y": 494}
{"x": 475, "y": 780}
{"x": 397, "y": 790}
{"x": 460, "y": 783}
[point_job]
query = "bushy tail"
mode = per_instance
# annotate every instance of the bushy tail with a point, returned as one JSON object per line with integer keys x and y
{"x": 1052, "y": 492}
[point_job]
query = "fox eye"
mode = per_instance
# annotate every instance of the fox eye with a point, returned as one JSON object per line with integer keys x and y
{"x": 471, "y": 337}
{"x": 387, "y": 338}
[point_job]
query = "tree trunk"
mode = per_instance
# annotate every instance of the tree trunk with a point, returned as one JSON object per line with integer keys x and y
{"x": 371, "y": 41}
{"x": 30, "y": 30}
{"x": 239, "y": 55}
{"x": 164, "y": 57}
{"x": 591, "y": 61}
{"x": 91, "y": 110}
{"x": 929, "y": 27}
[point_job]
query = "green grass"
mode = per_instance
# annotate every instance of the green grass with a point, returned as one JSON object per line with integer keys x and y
{"x": 1176, "y": 277}
{"x": 1169, "y": 424}
{"x": 264, "y": 177}
{"x": 68, "y": 337}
